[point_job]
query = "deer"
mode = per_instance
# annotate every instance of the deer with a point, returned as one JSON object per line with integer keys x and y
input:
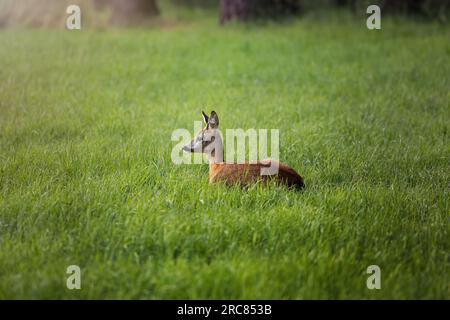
{"x": 209, "y": 142}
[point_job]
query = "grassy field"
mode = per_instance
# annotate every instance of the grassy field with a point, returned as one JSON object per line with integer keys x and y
{"x": 86, "y": 176}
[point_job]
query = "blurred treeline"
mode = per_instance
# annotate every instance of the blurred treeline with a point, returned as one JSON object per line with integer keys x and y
{"x": 36, "y": 13}
{"x": 249, "y": 9}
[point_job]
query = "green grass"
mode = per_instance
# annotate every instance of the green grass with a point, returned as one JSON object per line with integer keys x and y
{"x": 86, "y": 176}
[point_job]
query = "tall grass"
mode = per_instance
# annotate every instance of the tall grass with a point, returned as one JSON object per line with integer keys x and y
{"x": 86, "y": 176}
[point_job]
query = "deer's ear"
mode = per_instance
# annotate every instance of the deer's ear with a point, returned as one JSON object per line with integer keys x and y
{"x": 214, "y": 120}
{"x": 205, "y": 117}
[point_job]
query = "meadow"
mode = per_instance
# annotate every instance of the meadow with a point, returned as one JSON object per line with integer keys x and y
{"x": 86, "y": 176}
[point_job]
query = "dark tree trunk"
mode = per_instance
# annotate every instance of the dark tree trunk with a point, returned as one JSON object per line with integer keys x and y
{"x": 234, "y": 9}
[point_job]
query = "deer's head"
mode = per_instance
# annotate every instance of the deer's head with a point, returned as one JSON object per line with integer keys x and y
{"x": 207, "y": 139}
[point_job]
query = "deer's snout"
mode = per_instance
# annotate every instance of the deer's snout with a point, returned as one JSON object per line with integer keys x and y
{"x": 188, "y": 147}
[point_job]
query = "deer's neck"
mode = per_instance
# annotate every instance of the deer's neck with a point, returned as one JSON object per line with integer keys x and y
{"x": 216, "y": 154}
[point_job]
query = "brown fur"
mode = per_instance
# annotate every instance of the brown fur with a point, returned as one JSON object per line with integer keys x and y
{"x": 232, "y": 173}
